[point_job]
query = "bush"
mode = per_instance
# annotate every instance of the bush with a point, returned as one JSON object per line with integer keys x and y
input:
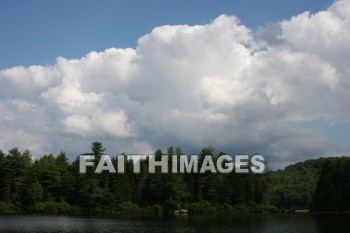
{"x": 128, "y": 208}
{"x": 202, "y": 207}
{"x": 263, "y": 208}
{"x": 153, "y": 210}
{"x": 6, "y": 207}
{"x": 53, "y": 207}
{"x": 227, "y": 209}
{"x": 241, "y": 208}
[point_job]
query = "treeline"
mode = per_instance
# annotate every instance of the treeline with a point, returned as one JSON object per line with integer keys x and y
{"x": 295, "y": 185}
{"x": 53, "y": 184}
{"x": 333, "y": 187}
{"x": 321, "y": 185}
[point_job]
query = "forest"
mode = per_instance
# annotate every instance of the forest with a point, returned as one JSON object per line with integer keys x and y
{"x": 53, "y": 184}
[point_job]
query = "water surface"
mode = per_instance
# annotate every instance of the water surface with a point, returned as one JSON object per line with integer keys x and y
{"x": 285, "y": 223}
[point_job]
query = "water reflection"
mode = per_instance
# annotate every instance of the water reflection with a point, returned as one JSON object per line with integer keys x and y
{"x": 200, "y": 224}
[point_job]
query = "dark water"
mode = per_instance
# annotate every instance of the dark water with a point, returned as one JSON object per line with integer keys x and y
{"x": 285, "y": 223}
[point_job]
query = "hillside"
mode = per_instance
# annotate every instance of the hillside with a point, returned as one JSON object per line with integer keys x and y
{"x": 295, "y": 185}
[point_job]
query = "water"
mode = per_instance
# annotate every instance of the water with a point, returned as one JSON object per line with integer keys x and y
{"x": 271, "y": 223}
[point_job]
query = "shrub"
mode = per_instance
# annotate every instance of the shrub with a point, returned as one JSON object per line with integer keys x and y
{"x": 6, "y": 207}
{"x": 128, "y": 208}
{"x": 53, "y": 207}
{"x": 153, "y": 210}
{"x": 201, "y": 207}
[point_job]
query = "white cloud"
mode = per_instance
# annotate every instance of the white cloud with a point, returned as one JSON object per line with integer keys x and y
{"x": 215, "y": 84}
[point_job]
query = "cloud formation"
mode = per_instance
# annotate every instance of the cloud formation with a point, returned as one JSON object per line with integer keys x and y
{"x": 218, "y": 84}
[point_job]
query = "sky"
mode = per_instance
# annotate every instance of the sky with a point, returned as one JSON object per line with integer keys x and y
{"x": 268, "y": 77}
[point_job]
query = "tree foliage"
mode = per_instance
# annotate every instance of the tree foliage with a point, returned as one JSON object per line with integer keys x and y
{"x": 52, "y": 184}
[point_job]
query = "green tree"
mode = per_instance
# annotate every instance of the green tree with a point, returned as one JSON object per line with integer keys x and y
{"x": 49, "y": 176}
{"x": 15, "y": 177}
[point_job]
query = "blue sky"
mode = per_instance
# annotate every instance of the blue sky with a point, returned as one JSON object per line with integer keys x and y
{"x": 71, "y": 29}
{"x": 252, "y": 76}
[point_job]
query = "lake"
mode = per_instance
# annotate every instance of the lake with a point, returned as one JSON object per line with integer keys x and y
{"x": 285, "y": 223}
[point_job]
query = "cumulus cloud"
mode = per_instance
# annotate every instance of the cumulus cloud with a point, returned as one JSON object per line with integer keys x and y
{"x": 218, "y": 84}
